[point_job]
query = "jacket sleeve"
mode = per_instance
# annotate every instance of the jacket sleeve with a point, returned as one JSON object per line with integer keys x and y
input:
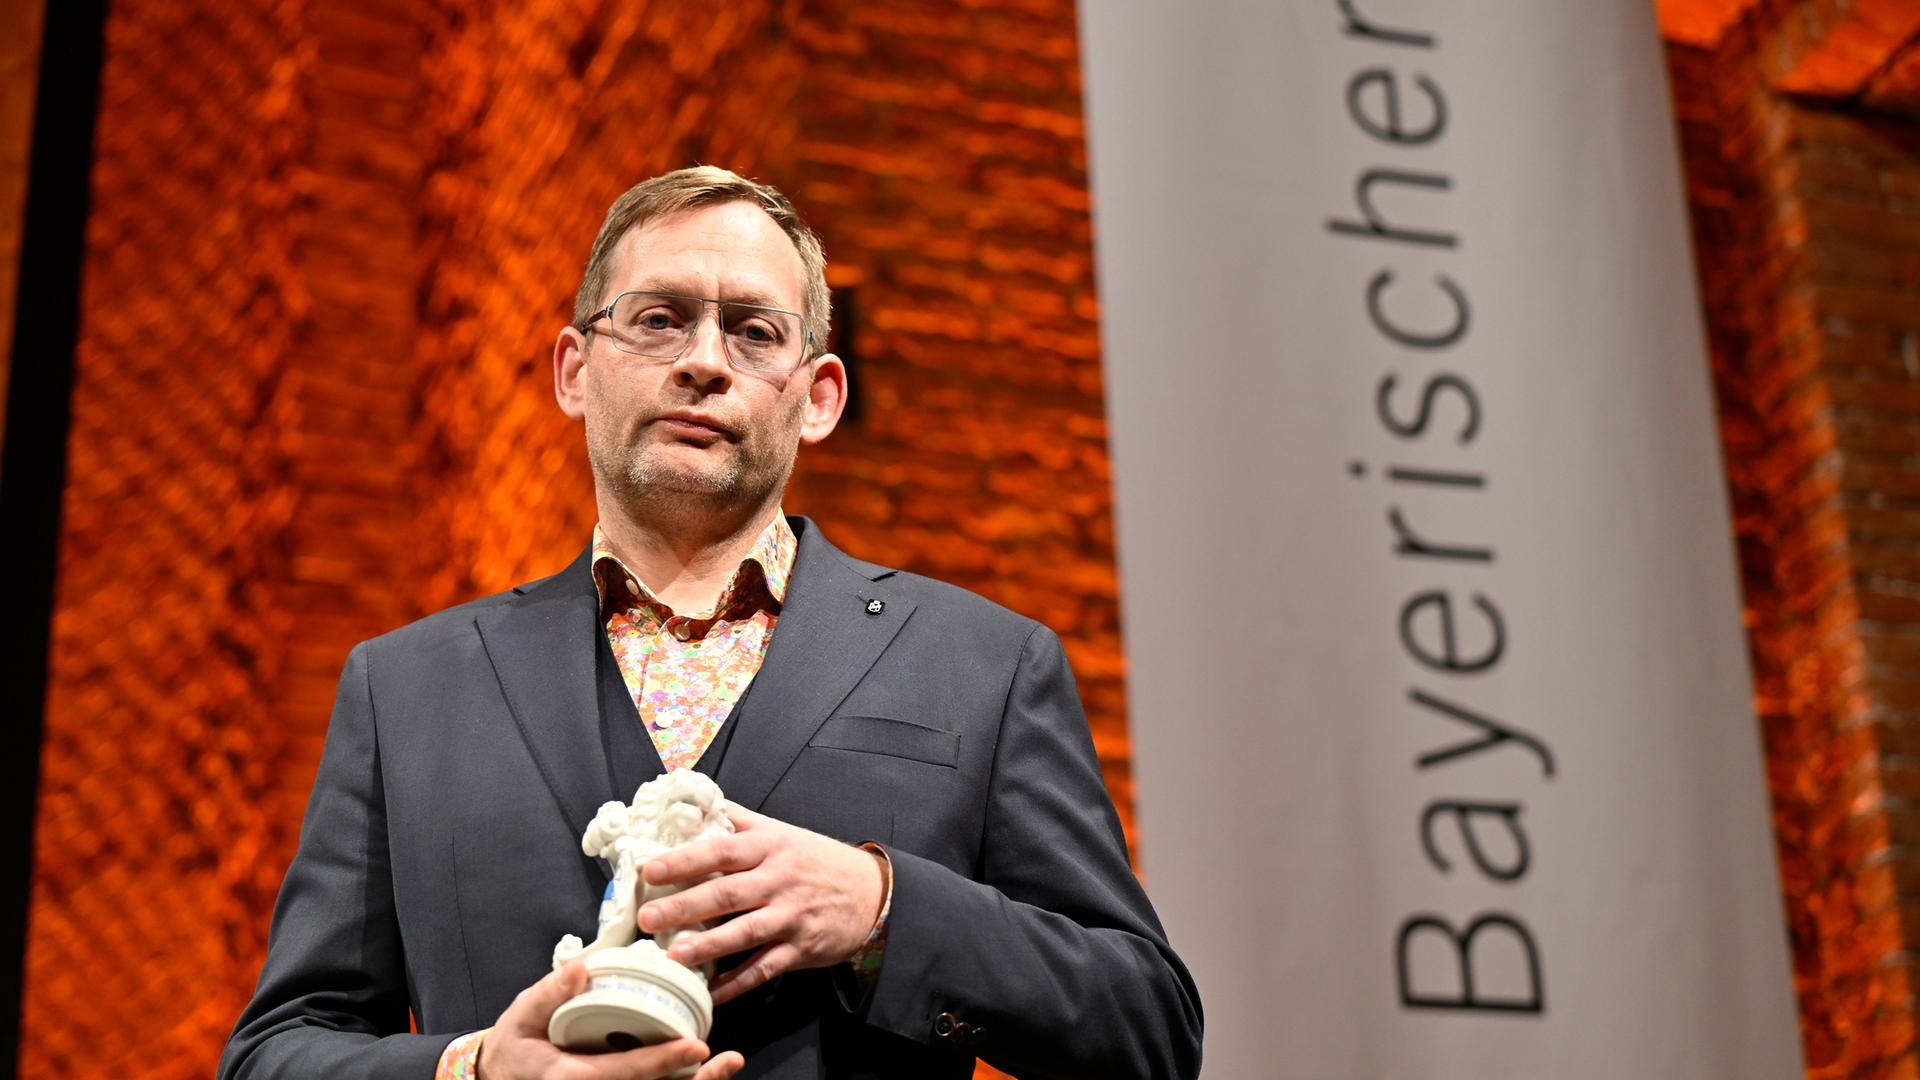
{"x": 332, "y": 999}
{"x": 1052, "y": 963}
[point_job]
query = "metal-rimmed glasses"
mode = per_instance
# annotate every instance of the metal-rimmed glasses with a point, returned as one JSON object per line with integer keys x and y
{"x": 662, "y": 326}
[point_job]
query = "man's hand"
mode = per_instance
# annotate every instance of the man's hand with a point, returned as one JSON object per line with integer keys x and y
{"x": 805, "y": 900}
{"x": 517, "y": 1047}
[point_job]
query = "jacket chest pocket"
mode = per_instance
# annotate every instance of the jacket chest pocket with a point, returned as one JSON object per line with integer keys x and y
{"x": 889, "y": 737}
{"x": 858, "y": 774}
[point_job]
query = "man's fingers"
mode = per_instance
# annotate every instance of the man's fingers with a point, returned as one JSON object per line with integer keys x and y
{"x": 759, "y": 969}
{"x": 722, "y": 1067}
{"x": 745, "y": 820}
{"x": 719, "y": 855}
{"x": 534, "y": 1006}
{"x": 705, "y": 902}
{"x": 728, "y": 938}
{"x": 646, "y": 1063}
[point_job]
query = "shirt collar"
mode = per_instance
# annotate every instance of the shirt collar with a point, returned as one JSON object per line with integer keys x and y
{"x": 768, "y": 564}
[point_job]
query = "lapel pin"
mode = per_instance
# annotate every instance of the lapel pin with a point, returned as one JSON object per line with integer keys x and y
{"x": 875, "y": 607}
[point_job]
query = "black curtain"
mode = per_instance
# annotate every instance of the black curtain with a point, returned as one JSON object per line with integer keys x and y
{"x": 33, "y": 461}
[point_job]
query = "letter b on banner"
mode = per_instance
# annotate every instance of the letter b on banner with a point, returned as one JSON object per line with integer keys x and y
{"x": 1460, "y": 968}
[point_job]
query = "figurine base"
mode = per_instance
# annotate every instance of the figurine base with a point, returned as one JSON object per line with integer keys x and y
{"x": 636, "y": 996}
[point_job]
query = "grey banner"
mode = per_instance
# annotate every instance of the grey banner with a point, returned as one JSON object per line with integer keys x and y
{"x": 1442, "y": 727}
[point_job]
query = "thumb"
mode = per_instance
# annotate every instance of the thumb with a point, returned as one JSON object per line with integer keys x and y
{"x": 534, "y": 1006}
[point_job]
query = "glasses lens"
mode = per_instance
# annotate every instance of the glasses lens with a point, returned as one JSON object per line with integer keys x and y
{"x": 760, "y": 339}
{"x": 652, "y": 324}
{"x": 663, "y": 325}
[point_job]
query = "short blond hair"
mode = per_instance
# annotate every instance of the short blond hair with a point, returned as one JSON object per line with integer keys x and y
{"x": 703, "y": 185}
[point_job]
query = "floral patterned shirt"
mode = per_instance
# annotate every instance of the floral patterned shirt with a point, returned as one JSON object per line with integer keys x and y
{"x": 685, "y": 673}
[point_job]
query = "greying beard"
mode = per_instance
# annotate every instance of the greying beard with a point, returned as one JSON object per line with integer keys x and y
{"x": 644, "y": 474}
{"x": 645, "y": 483}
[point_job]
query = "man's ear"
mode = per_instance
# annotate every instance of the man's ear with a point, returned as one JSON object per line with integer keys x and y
{"x": 569, "y": 356}
{"x": 826, "y": 398}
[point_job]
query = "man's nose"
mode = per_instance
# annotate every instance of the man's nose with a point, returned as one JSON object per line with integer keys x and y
{"x": 705, "y": 364}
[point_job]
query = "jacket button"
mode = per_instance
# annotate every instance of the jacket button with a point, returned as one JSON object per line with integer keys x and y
{"x": 946, "y": 1025}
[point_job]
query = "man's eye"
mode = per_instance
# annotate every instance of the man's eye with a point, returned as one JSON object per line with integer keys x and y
{"x": 757, "y": 332}
{"x": 656, "y": 320}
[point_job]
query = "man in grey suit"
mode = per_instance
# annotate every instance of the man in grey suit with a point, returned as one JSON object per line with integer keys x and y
{"x": 988, "y": 908}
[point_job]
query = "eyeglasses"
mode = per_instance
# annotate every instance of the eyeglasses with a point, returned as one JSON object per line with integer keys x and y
{"x": 662, "y": 326}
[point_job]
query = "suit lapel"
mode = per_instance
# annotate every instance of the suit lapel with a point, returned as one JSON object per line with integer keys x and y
{"x": 542, "y": 645}
{"x": 827, "y": 638}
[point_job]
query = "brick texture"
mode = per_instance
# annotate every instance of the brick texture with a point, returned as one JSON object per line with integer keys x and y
{"x": 20, "y": 22}
{"x": 166, "y": 761}
{"x": 1801, "y": 169}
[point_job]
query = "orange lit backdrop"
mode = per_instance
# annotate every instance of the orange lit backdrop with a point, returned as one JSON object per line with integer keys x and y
{"x": 1803, "y": 173}
{"x": 19, "y": 69}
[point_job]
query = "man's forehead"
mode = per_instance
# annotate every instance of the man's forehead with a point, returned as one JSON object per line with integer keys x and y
{"x": 733, "y": 247}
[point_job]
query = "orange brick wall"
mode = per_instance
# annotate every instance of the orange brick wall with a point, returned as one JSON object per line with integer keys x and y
{"x": 330, "y": 246}
{"x": 166, "y": 728}
{"x": 1806, "y": 220}
{"x": 19, "y": 74}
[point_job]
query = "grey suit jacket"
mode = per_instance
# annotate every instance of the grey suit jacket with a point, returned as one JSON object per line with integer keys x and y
{"x": 439, "y": 860}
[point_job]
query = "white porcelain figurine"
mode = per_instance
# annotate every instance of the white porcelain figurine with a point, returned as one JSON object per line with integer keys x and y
{"x": 636, "y": 995}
